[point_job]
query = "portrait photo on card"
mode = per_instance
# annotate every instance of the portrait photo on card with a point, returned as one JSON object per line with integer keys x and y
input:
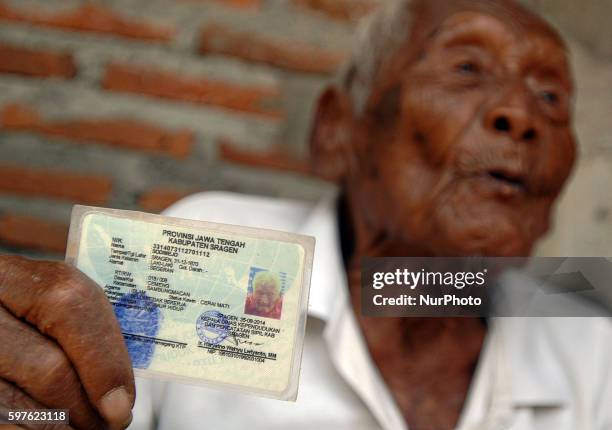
{"x": 265, "y": 293}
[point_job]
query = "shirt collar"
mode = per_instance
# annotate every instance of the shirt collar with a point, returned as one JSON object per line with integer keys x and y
{"x": 524, "y": 351}
{"x": 328, "y": 279}
{"x": 534, "y": 364}
{"x": 330, "y": 301}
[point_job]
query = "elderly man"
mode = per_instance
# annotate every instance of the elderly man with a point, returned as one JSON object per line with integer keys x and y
{"x": 266, "y": 299}
{"x": 449, "y": 135}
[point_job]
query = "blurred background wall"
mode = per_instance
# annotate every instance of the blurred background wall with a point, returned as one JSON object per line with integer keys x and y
{"x": 136, "y": 103}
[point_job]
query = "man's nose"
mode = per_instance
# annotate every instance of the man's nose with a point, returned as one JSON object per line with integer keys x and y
{"x": 514, "y": 121}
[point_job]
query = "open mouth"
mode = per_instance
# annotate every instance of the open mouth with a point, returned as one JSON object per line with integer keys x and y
{"x": 509, "y": 183}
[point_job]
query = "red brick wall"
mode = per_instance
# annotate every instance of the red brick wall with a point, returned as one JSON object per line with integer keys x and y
{"x": 138, "y": 105}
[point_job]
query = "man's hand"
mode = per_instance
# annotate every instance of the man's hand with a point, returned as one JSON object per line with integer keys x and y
{"x": 61, "y": 346}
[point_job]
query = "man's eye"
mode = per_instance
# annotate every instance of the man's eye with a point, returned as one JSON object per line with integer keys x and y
{"x": 467, "y": 67}
{"x": 550, "y": 97}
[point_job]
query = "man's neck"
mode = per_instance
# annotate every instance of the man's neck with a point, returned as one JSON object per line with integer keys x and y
{"x": 427, "y": 363}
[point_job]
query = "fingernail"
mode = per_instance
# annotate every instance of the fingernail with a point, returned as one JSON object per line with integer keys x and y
{"x": 116, "y": 408}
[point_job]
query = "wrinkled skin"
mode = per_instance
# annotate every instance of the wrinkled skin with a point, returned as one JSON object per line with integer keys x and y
{"x": 479, "y": 145}
{"x": 464, "y": 145}
{"x": 61, "y": 346}
{"x": 470, "y": 160}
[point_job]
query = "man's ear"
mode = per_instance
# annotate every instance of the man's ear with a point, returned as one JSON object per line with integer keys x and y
{"x": 331, "y": 143}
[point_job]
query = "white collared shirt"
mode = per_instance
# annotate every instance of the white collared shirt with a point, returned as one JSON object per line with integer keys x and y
{"x": 533, "y": 373}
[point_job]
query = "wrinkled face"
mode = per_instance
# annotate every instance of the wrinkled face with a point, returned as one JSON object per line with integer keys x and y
{"x": 481, "y": 143}
{"x": 265, "y": 297}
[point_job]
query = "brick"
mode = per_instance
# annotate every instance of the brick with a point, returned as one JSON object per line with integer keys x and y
{"x": 158, "y": 199}
{"x": 56, "y": 184}
{"x": 217, "y": 39}
{"x": 237, "y": 4}
{"x": 92, "y": 18}
{"x": 273, "y": 159}
{"x": 259, "y": 100}
{"x": 32, "y": 233}
{"x": 342, "y": 10}
{"x": 37, "y": 63}
{"x": 119, "y": 132}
